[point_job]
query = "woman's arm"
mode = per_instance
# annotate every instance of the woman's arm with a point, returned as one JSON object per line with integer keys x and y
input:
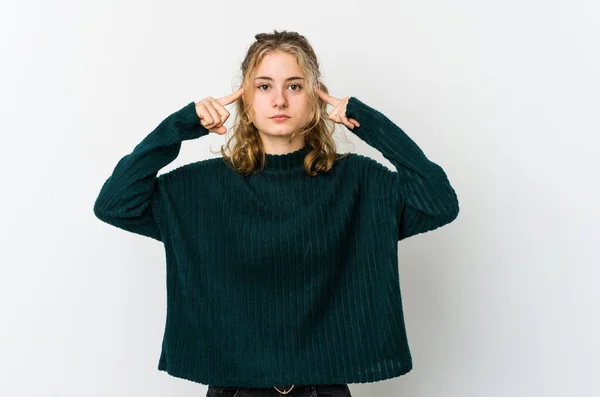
{"x": 421, "y": 189}
{"x": 129, "y": 199}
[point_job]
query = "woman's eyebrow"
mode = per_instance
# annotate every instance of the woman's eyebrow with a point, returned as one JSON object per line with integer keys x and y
{"x": 288, "y": 79}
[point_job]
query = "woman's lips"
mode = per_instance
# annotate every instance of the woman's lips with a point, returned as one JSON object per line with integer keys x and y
{"x": 279, "y": 119}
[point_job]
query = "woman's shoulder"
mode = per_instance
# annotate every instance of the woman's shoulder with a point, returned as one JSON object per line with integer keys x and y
{"x": 366, "y": 163}
{"x": 197, "y": 168}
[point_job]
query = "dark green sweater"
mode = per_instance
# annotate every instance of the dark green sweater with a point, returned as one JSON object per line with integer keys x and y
{"x": 280, "y": 278}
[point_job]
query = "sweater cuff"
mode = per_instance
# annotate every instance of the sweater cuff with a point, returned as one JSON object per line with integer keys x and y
{"x": 188, "y": 121}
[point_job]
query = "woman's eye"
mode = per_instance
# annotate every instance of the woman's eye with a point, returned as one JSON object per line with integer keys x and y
{"x": 266, "y": 85}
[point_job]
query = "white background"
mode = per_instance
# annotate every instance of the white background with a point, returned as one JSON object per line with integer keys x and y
{"x": 502, "y": 94}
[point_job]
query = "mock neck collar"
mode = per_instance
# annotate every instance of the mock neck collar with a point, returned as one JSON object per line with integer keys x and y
{"x": 286, "y": 161}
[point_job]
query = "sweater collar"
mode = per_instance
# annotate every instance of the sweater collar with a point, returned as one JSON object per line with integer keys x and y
{"x": 286, "y": 161}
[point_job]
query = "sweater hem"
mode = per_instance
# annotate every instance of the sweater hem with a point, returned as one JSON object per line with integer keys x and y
{"x": 252, "y": 382}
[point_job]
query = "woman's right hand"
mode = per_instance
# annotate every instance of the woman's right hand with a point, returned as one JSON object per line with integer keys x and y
{"x": 212, "y": 111}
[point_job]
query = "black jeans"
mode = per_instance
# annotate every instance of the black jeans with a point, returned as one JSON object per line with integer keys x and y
{"x": 336, "y": 390}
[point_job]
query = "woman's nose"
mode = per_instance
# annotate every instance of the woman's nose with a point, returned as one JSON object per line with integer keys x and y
{"x": 279, "y": 99}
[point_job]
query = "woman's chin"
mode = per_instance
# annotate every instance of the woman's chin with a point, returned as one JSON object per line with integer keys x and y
{"x": 279, "y": 131}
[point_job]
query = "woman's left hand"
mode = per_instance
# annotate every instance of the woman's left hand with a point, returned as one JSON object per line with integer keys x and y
{"x": 338, "y": 113}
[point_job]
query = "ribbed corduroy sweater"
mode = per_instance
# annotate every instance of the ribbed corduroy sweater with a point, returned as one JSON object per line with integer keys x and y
{"x": 277, "y": 277}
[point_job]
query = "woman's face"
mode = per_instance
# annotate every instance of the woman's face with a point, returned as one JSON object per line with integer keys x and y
{"x": 279, "y": 88}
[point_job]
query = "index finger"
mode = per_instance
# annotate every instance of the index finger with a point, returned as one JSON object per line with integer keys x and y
{"x": 328, "y": 98}
{"x": 226, "y": 100}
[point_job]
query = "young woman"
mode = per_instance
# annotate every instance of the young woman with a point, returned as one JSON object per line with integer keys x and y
{"x": 281, "y": 255}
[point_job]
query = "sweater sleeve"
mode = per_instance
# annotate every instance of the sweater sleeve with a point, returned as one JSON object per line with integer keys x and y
{"x": 129, "y": 198}
{"x": 424, "y": 198}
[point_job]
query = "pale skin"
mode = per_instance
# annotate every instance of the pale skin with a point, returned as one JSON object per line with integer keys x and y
{"x": 338, "y": 113}
{"x": 212, "y": 112}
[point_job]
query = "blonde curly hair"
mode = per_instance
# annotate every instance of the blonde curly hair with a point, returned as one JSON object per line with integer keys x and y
{"x": 244, "y": 151}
